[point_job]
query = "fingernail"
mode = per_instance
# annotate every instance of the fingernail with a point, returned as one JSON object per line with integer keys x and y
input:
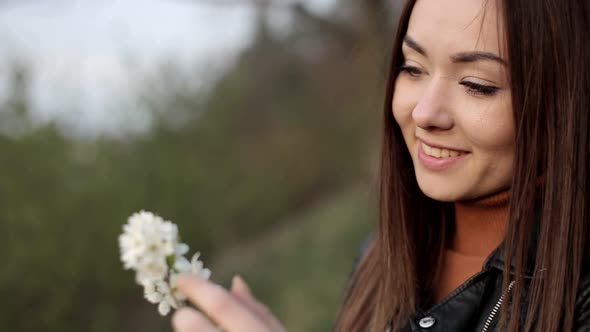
{"x": 233, "y": 282}
{"x": 241, "y": 283}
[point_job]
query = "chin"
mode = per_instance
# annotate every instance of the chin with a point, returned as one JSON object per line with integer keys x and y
{"x": 440, "y": 190}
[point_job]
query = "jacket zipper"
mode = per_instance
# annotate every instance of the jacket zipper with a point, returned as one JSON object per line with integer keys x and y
{"x": 496, "y": 308}
{"x": 492, "y": 314}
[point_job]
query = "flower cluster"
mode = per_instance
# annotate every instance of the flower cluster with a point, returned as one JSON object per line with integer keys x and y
{"x": 151, "y": 247}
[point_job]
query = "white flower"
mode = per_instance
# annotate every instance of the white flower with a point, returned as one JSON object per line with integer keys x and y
{"x": 182, "y": 265}
{"x": 150, "y": 246}
{"x": 158, "y": 292}
{"x": 154, "y": 291}
{"x": 198, "y": 269}
{"x": 132, "y": 246}
{"x": 181, "y": 249}
{"x": 153, "y": 270}
{"x": 178, "y": 296}
{"x": 146, "y": 242}
{"x": 194, "y": 267}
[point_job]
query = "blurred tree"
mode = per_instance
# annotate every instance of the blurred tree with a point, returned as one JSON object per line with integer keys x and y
{"x": 15, "y": 115}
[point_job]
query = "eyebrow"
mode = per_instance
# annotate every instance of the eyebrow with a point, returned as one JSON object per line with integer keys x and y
{"x": 465, "y": 57}
{"x": 462, "y": 57}
{"x": 414, "y": 45}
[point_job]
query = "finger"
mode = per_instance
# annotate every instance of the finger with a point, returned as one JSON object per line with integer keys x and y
{"x": 242, "y": 291}
{"x": 190, "y": 320}
{"x": 241, "y": 288}
{"x": 220, "y": 305}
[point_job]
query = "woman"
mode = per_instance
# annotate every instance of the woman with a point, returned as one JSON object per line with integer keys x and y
{"x": 484, "y": 180}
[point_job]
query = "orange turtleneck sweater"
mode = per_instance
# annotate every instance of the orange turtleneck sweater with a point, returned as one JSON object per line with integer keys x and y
{"x": 479, "y": 229}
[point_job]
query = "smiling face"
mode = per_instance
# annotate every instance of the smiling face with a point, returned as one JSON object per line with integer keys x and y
{"x": 452, "y": 100}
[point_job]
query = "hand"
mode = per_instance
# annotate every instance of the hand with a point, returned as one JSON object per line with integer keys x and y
{"x": 231, "y": 311}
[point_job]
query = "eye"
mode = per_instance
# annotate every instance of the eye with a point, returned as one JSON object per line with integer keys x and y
{"x": 411, "y": 70}
{"x": 479, "y": 90}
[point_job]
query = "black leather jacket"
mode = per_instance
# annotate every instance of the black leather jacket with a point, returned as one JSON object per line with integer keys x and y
{"x": 475, "y": 305}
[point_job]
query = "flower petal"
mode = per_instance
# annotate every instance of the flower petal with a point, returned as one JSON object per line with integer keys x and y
{"x": 181, "y": 249}
{"x": 206, "y": 274}
{"x": 164, "y": 308}
{"x": 182, "y": 264}
{"x": 153, "y": 297}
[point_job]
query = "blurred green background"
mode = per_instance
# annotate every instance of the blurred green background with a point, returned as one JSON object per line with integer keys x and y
{"x": 269, "y": 169}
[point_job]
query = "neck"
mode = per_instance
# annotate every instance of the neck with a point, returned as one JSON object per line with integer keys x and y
{"x": 479, "y": 229}
{"x": 480, "y": 224}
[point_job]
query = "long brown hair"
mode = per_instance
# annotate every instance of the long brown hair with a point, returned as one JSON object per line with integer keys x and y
{"x": 548, "y": 52}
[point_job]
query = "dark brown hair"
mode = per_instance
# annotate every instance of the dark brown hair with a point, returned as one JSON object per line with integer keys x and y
{"x": 549, "y": 69}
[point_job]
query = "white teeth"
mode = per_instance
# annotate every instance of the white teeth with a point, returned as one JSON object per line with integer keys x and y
{"x": 436, "y": 152}
{"x": 439, "y": 153}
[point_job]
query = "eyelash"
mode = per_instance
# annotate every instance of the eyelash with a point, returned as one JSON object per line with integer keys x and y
{"x": 410, "y": 70}
{"x": 474, "y": 89}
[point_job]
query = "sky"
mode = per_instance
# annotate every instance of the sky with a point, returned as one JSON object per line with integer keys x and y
{"x": 82, "y": 51}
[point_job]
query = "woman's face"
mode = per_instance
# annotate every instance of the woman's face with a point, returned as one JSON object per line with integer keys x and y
{"x": 452, "y": 99}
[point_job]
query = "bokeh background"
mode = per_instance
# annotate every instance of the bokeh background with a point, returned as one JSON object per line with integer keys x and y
{"x": 254, "y": 125}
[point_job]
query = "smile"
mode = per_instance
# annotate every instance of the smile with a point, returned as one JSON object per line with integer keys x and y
{"x": 440, "y": 152}
{"x": 438, "y": 158}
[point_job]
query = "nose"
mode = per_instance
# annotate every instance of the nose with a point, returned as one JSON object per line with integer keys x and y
{"x": 432, "y": 110}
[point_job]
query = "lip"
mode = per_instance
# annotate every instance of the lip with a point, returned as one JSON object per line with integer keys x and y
{"x": 438, "y": 164}
{"x": 434, "y": 145}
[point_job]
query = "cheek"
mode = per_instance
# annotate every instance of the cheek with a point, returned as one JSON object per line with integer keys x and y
{"x": 492, "y": 130}
{"x": 402, "y": 105}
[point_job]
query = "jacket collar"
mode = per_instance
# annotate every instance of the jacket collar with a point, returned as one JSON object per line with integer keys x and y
{"x": 497, "y": 258}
